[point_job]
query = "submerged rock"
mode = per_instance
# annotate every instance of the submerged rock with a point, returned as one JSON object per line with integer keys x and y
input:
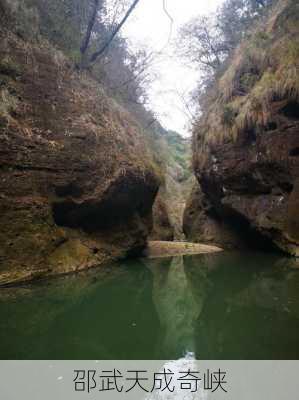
{"x": 167, "y": 249}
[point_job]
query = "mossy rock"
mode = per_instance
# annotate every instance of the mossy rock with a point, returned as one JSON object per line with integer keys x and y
{"x": 70, "y": 256}
{"x": 9, "y": 68}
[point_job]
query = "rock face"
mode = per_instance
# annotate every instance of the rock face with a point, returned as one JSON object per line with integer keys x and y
{"x": 169, "y": 208}
{"x": 246, "y": 146}
{"x": 76, "y": 183}
{"x": 162, "y": 226}
{"x": 173, "y": 153}
{"x": 202, "y": 224}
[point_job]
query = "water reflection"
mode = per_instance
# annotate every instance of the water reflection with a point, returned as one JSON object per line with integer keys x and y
{"x": 227, "y": 305}
{"x": 89, "y": 316}
{"x": 177, "y": 307}
{"x": 251, "y": 310}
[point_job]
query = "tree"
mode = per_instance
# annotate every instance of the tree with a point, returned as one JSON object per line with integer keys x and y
{"x": 91, "y": 29}
{"x": 88, "y": 32}
{"x": 202, "y": 44}
{"x": 206, "y": 41}
{"x": 235, "y": 17}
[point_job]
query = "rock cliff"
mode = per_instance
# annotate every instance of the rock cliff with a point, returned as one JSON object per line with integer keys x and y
{"x": 76, "y": 181}
{"x": 246, "y": 144}
{"x": 173, "y": 153}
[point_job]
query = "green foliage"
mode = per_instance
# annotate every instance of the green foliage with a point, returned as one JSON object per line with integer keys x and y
{"x": 22, "y": 19}
{"x": 292, "y": 51}
{"x": 171, "y": 151}
{"x": 63, "y": 22}
{"x": 236, "y": 18}
{"x": 228, "y": 116}
{"x": 262, "y": 71}
{"x": 261, "y": 37}
{"x": 9, "y": 68}
{"x": 208, "y": 41}
{"x": 247, "y": 81}
{"x": 122, "y": 72}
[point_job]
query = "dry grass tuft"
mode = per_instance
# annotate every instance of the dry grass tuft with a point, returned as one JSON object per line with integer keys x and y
{"x": 263, "y": 70}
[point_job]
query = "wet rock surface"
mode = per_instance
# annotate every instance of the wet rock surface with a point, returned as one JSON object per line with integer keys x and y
{"x": 167, "y": 249}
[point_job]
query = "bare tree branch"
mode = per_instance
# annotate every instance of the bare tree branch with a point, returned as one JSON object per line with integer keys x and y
{"x": 98, "y": 53}
{"x": 86, "y": 40}
{"x": 146, "y": 64}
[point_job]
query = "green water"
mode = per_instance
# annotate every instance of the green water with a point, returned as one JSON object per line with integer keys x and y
{"x": 223, "y": 306}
